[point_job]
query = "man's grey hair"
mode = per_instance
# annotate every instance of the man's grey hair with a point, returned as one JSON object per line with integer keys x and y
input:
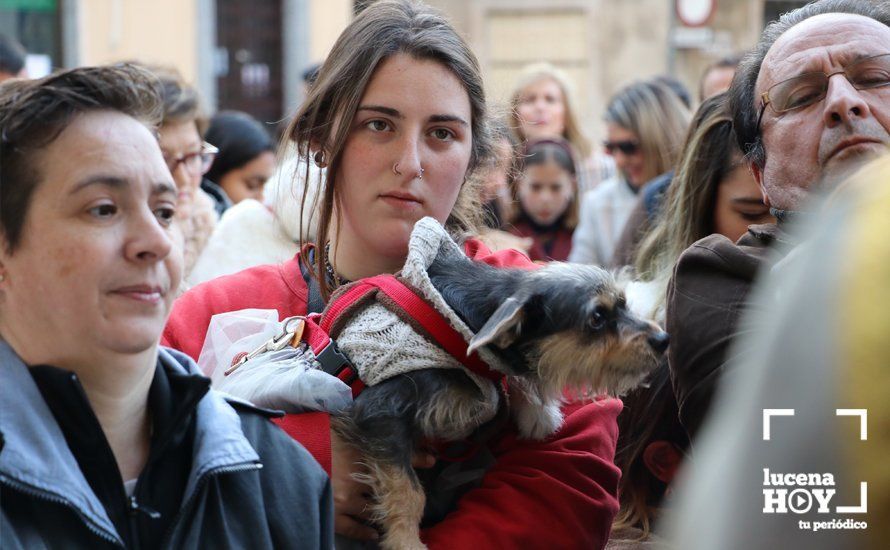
{"x": 742, "y": 96}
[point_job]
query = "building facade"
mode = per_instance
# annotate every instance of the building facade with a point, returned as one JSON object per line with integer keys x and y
{"x": 602, "y": 44}
{"x": 250, "y": 54}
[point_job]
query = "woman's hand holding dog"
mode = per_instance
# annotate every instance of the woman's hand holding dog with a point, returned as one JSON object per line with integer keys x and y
{"x": 352, "y": 498}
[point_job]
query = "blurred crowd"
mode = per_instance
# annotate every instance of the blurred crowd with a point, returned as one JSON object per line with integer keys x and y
{"x": 749, "y": 219}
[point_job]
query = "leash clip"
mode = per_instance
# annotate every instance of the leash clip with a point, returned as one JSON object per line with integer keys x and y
{"x": 290, "y": 335}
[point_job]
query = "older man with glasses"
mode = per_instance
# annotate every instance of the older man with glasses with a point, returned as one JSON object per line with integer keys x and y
{"x": 810, "y": 104}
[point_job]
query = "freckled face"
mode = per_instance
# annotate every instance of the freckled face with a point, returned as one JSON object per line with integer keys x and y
{"x": 99, "y": 263}
{"x": 406, "y": 156}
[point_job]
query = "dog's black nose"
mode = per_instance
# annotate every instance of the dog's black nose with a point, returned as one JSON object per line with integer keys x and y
{"x": 659, "y": 341}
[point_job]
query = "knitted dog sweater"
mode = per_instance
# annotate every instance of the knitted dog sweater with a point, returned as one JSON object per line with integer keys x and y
{"x": 382, "y": 343}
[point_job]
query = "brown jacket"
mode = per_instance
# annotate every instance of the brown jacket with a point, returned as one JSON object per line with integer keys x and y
{"x": 705, "y": 299}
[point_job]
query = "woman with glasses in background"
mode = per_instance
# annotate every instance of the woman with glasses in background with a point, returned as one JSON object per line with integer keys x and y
{"x": 188, "y": 157}
{"x": 645, "y": 127}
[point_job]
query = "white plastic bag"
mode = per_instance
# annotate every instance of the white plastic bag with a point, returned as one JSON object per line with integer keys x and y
{"x": 289, "y": 379}
{"x": 231, "y": 333}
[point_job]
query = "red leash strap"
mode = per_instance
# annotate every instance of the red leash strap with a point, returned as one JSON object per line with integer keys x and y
{"x": 332, "y": 360}
{"x": 335, "y": 309}
{"x": 418, "y": 309}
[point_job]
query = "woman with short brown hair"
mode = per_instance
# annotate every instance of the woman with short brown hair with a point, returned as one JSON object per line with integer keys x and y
{"x": 106, "y": 438}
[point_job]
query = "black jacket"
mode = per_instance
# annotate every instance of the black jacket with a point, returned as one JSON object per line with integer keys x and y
{"x": 219, "y": 473}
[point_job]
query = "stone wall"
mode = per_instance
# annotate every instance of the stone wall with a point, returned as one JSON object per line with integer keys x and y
{"x": 602, "y": 44}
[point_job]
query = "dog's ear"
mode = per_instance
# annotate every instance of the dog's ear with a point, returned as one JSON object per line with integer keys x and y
{"x": 503, "y": 327}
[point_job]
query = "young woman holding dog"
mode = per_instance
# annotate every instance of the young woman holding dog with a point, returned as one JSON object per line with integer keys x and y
{"x": 398, "y": 118}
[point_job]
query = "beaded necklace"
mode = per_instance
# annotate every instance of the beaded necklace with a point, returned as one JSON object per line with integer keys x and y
{"x": 329, "y": 269}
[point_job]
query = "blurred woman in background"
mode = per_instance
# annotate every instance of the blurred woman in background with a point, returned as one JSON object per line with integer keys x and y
{"x": 188, "y": 157}
{"x": 712, "y": 192}
{"x": 645, "y": 123}
{"x": 497, "y": 181}
{"x": 246, "y": 158}
{"x": 542, "y": 105}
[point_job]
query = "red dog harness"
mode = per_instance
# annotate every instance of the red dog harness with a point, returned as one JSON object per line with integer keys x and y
{"x": 314, "y": 330}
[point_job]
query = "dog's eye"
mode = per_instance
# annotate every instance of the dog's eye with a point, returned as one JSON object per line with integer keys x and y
{"x": 597, "y": 319}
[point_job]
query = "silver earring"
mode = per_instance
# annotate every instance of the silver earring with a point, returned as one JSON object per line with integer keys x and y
{"x": 395, "y": 169}
{"x": 420, "y": 174}
{"x": 320, "y": 160}
{"x": 2, "y": 277}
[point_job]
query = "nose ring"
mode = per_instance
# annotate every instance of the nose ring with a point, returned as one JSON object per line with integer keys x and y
{"x": 396, "y": 171}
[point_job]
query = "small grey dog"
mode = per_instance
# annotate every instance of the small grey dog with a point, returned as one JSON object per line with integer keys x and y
{"x": 561, "y": 326}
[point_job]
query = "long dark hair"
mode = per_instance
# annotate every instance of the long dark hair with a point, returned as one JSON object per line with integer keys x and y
{"x": 650, "y": 414}
{"x": 322, "y": 124}
{"x": 709, "y": 154}
{"x": 239, "y": 137}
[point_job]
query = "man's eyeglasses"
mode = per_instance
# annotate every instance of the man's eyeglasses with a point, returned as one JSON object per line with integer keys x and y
{"x": 808, "y": 88}
{"x": 626, "y": 147}
{"x": 196, "y": 164}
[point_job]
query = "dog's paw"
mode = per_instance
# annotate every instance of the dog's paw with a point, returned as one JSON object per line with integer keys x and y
{"x": 538, "y": 422}
{"x": 401, "y": 542}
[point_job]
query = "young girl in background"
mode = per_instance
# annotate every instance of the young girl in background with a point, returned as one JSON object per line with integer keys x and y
{"x": 547, "y": 195}
{"x": 246, "y": 157}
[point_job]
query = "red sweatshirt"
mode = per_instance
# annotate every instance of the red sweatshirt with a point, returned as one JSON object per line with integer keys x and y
{"x": 558, "y": 493}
